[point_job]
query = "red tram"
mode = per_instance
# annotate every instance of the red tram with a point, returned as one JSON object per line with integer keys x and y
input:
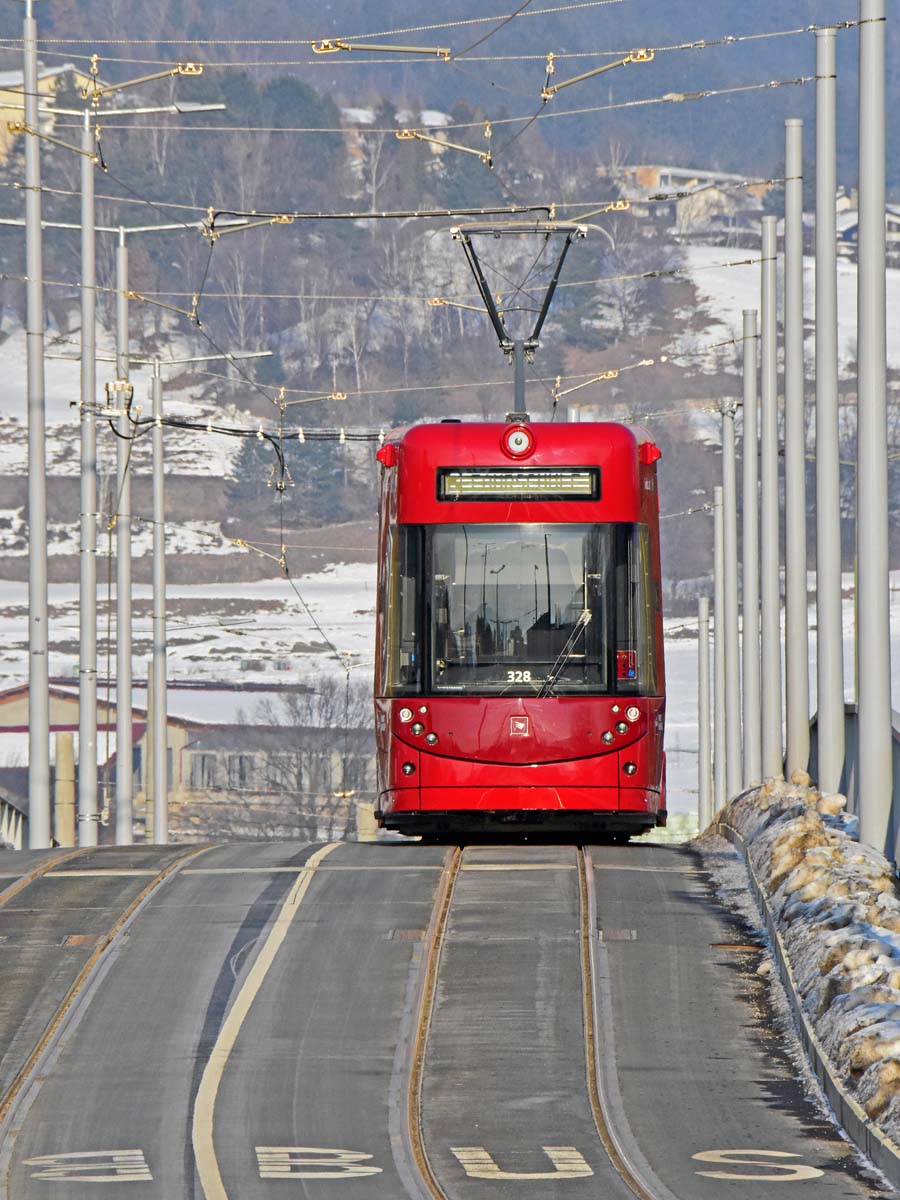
{"x": 519, "y": 675}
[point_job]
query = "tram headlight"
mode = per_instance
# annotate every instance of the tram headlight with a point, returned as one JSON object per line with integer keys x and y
{"x": 431, "y": 739}
{"x": 417, "y": 728}
{"x": 405, "y": 714}
{"x": 621, "y": 727}
{"x": 408, "y": 768}
{"x": 607, "y": 738}
{"x": 632, "y": 712}
{"x": 630, "y": 768}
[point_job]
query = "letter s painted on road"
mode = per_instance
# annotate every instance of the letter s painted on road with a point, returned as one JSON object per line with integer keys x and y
{"x": 787, "y": 1172}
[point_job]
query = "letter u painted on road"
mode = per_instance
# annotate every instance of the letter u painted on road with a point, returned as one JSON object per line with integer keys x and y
{"x": 312, "y": 1162}
{"x": 568, "y": 1163}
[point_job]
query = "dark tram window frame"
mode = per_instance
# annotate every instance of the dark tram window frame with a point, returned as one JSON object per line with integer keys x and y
{"x": 632, "y": 617}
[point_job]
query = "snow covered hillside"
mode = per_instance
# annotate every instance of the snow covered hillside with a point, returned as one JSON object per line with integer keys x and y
{"x": 261, "y": 630}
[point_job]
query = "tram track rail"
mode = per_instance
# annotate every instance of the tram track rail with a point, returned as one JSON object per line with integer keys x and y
{"x": 428, "y": 979}
{"x": 626, "y": 1159}
{"x": 605, "y": 1103}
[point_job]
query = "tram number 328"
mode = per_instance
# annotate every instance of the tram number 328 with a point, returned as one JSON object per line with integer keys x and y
{"x": 518, "y": 677}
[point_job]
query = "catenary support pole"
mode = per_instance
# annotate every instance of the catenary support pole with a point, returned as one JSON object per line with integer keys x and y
{"x": 873, "y": 617}
{"x": 750, "y": 580}
{"x": 720, "y": 752}
{"x": 704, "y": 745}
{"x": 124, "y": 746}
{"x": 731, "y": 629}
{"x": 796, "y": 620}
{"x": 770, "y": 584}
{"x": 38, "y": 639}
{"x": 88, "y": 818}
{"x": 829, "y": 624}
{"x": 160, "y": 748}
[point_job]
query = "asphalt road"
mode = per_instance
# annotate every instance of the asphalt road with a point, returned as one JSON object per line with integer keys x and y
{"x": 699, "y": 1062}
{"x": 310, "y": 1066}
{"x": 505, "y": 1074}
{"x": 244, "y": 1038}
{"x": 50, "y": 928}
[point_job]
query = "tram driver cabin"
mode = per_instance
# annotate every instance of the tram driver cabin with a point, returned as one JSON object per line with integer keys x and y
{"x": 519, "y": 665}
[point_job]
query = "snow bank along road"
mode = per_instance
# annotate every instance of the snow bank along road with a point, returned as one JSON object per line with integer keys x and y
{"x": 398, "y": 1022}
{"x": 833, "y": 913}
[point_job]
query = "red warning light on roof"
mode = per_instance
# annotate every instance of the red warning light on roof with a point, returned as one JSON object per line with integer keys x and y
{"x": 517, "y": 441}
{"x": 648, "y": 453}
{"x": 388, "y": 455}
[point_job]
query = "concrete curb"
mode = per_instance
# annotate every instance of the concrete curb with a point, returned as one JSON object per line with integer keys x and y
{"x": 871, "y": 1140}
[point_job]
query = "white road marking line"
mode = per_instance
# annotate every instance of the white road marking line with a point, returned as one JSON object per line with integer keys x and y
{"x": 110, "y": 872}
{"x": 651, "y": 870}
{"x": 517, "y": 867}
{"x": 294, "y": 1162}
{"x": 298, "y": 870}
{"x": 118, "y": 1166}
{"x": 204, "y": 1106}
{"x": 568, "y": 1163}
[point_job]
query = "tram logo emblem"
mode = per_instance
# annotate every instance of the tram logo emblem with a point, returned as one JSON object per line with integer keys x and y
{"x": 519, "y": 727}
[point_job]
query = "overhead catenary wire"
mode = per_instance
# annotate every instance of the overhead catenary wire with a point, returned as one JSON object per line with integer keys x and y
{"x": 546, "y": 115}
{"x": 342, "y": 433}
{"x": 13, "y": 44}
{"x": 656, "y": 361}
{"x": 150, "y": 296}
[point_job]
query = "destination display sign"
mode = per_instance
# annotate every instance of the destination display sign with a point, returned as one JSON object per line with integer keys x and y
{"x": 519, "y": 483}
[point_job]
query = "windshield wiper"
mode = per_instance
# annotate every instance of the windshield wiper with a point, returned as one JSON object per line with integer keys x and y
{"x": 565, "y": 654}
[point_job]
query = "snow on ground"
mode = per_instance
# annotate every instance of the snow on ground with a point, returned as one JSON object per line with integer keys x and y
{"x": 837, "y": 910}
{"x": 187, "y": 452}
{"x": 216, "y": 632}
{"x": 732, "y": 884}
{"x": 183, "y": 537}
{"x": 728, "y": 291}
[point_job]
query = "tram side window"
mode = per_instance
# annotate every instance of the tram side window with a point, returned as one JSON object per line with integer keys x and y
{"x": 404, "y": 601}
{"x": 636, "y": 671}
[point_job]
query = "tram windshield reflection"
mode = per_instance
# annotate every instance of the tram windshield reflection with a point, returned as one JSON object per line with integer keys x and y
{"x": 513, "y": 606}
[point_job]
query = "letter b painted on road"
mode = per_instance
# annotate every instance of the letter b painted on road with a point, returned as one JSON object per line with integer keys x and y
{"x": 312, "y": 1162}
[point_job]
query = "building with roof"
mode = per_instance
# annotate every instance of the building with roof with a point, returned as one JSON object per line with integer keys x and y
{"x": 697, "y": 203}
{"x": 248, "y": 771}
{"x": 12, "y": 99}
{"x": 848, "y": 233}
{"x": 13, "y": 808}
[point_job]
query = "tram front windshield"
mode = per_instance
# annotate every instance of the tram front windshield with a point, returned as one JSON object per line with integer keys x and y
{"x": 525, "y": 609}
